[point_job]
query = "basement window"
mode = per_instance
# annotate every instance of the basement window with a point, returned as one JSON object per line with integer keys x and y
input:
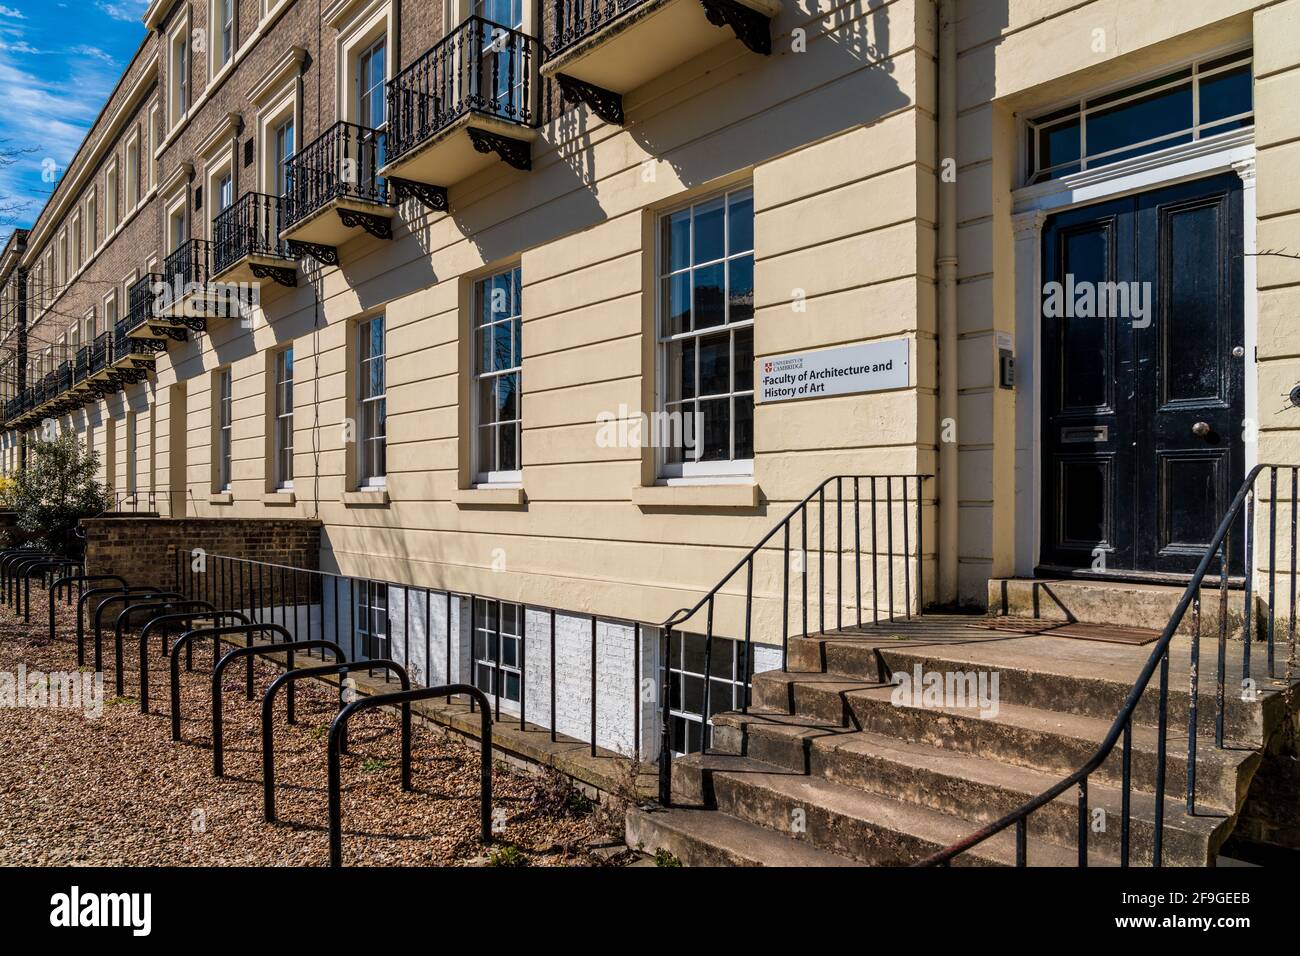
{"x": 498, "y": 634}
{"x": 686, "y": 689}
{"x": 1198, "y": 101}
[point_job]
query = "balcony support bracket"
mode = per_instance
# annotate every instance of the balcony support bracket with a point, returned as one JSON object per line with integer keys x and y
{"x": 195, "y": 323}
{"x": 433, "y": 198}
{"x": 751, "y": 27}
{"x": 325, "y": 255}
{"x": 381, "y": 227}
{"x": 170, "y": 331}
{"x": 281, "y": 275}
{"x": 606, "y": 104}
{"x": 517, "y": 152}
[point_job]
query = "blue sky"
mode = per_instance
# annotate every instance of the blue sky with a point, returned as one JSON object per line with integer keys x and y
{"x": 59, "y": 61}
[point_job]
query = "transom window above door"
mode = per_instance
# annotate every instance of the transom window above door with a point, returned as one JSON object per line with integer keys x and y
{"x": 1195, "y": 102}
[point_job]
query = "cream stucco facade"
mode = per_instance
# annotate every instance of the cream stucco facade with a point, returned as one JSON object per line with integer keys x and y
{"x": 866, "y": 228}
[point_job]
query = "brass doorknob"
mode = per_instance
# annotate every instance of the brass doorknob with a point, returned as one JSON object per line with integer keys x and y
{"x": 1201, "y": 429}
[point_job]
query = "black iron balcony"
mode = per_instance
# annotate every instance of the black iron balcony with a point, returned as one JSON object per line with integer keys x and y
{"x": 81, "y": 365}
{"x": 192, "y": 297}
{"x": 247, "y": 244}
{"x": 133, "y": 356}
{"x": 100, "y": 351}
{"x": 605, "y": 48}
{"x": 334, "y": 188}
{"x": 141, "y": 298}
{"x": 481, "y": 81}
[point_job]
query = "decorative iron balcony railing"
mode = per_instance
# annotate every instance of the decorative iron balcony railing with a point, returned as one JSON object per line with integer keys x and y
{"x": 64, "y": 377}
{"x": 81, "y": 364}
{"x": 576, "y": 20}
{"x": 100, "y": 350}
{"x": 140, "y": 300}
{"x": 124, "y": 346}
{"x": 251, "y": 227}
{"x": 343, "y": 162}
{"x": 480, "y": 67}
{"x": 191, "y": 263}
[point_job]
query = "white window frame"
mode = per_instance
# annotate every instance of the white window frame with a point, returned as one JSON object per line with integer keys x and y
{"x": 222, "y": 49}
{"x": 364, "y": 478}
{"x": 354, "y": 39}
{"x": 494, "y": 476}
{"x": 132, "y": 486}
{"x": 218, "y": 171}
{"x": 1029, "y": 127}
{"x": 484, "y": 657}
{"x": 687, "y": 472}
{"x": 180, "y": 73}
{"x": 110, "y": 198}
{"x": 90, "y": 229}
{"x": 367, "y": 612}
{"x": 223, "y": 406}
{"x": 134, "y": 179}
{"x": 112, "y": 314}
{"x": 155, "y": 116}
{"x": 282, "y": 417}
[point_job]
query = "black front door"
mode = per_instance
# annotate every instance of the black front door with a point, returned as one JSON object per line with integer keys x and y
{"x": 1143, "y": 377}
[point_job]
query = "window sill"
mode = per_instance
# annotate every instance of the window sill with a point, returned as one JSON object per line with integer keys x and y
{"x": 739, "y": 495}
{"x": 221, "y": 498}
{"x": 365, "y": 498}
{"x": 280, "y": 498}
{"x": 486, "y": 496}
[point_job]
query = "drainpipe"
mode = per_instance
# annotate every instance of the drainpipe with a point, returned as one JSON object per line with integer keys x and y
{"x": 946, "y": 269}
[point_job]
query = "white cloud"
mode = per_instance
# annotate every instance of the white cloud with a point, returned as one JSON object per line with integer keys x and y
{"x": 11, "y": 12}
{"x": 49, "y": 116}
{"x": 94, "y": 52}
{"x": 128, "y": 10}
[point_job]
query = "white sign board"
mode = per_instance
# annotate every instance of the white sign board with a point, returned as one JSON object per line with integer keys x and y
{"x": 871, "y": 367}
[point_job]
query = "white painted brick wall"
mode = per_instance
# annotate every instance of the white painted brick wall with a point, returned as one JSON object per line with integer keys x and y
{"x": 423, "y": 651}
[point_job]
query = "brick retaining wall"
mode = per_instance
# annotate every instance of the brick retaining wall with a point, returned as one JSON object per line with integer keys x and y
{"x": 142, "y": 550}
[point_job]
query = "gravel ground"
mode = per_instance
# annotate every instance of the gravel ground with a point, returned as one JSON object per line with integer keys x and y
{"x": 116, "y": 790}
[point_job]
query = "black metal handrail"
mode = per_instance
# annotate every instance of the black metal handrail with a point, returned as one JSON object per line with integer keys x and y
{"x": 190, "y": 265}
{"x": 124, "y": 346}
{"x": 251, "y": 227}
{"x": 576, "y": 20}
{"x": 1243, "y": 507}
{"x": 880, "y": 491}
{"x": 343, "y": 162}
{"x": 480, "y": 67}
{"x": 140, "y": 300}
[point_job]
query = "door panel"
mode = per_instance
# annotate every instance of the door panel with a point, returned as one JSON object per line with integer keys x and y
{"x": 1143, "y": 396}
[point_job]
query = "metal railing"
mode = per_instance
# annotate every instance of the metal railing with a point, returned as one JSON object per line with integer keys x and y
{"x": 480, "y": 67}
{"x": 190, "y": 265}
{"x": 101, "y": 350}
{"x": 124, "y": 346}
{"x": 1217, "y": 557}
{"x": 140, "y": 300}
{"x": 483, "y": 640}
{"x": 251, "y": 227}
{"x": 892, "y": 562}
{"x": 343, "y": 162}
{"x": 577, "y": 19}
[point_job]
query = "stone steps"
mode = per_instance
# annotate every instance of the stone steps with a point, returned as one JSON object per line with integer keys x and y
{"x": 698, "y": 837}
{"x": 1075, "y": 677}
{"x": 833, "y": 757}
{"x": 1109, "y": 602}
{"x": 1018, "y": 735}
{"x": 839, "y": 819}
{"x": 960, "y": 784}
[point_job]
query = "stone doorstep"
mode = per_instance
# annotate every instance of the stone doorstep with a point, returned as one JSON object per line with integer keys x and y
{"x": 1093, "y": 601}
{"x": 600, "y": 777}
